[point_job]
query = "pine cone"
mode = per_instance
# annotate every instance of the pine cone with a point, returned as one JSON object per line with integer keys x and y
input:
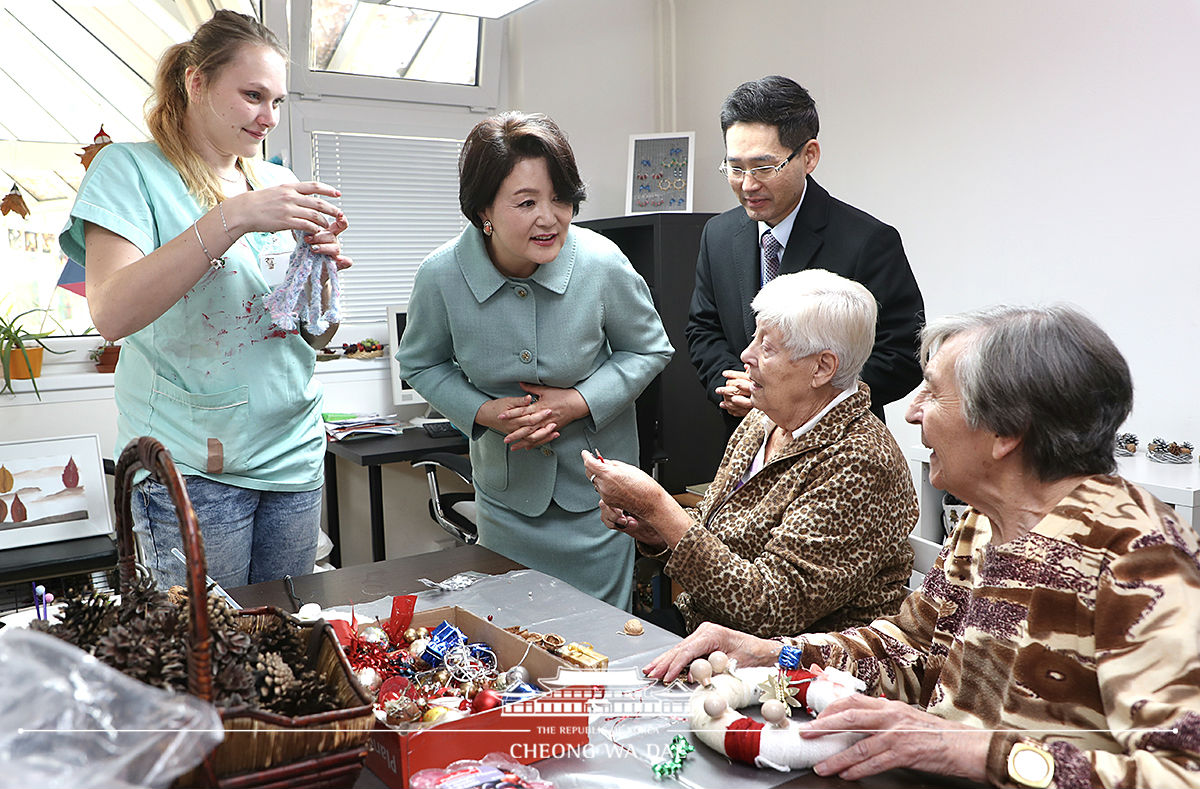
{"x": 277, "y": 676}
{"x": 284, "y": 637}
{"x": 82, "y": 620}
{"x": 308, "y": 694}
{"x": 233, "y": 686}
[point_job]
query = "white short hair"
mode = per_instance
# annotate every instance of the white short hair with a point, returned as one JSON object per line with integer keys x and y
{"x": 816, "y": 310}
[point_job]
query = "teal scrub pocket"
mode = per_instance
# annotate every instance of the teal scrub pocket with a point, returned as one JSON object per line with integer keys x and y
{"x": 207, "y": 432}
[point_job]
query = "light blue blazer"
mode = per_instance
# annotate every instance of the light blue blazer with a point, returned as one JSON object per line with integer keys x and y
{"x": 584, "y": 320}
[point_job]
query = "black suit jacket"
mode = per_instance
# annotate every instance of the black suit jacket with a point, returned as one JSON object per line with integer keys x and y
{"x": 827, "y": 234}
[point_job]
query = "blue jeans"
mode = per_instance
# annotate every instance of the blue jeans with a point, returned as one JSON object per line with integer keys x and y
{"x": 249, "y": 535}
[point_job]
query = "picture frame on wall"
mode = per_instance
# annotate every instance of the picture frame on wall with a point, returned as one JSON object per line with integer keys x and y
{"x": 660, "y": 173}
{"x": 52, "y": 489}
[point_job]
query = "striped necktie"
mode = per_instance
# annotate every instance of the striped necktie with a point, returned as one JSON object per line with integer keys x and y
{"x": 771, "y": 250}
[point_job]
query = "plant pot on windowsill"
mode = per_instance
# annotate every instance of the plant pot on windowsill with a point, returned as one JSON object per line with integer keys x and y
{"x": 21, "y": 350}
{"x": 105, "y": 358}
{"x": 20, "y": 368}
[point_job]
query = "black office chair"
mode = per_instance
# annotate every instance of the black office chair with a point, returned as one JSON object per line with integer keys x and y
{"x": 454, "y": 512}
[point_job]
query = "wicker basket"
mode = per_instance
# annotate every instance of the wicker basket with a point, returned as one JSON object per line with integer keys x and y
{"x": 260, "y": 749}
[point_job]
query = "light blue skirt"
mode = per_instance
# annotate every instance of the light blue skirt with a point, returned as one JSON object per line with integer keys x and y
{"x": 575, "y": 547}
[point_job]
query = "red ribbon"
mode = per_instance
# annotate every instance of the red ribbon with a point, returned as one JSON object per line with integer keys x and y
{"x": 742, "y": 740}
{"x": 799, "y": 679}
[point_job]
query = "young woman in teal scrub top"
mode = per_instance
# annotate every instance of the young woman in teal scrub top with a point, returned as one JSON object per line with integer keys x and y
{"x": 180, "y": 238}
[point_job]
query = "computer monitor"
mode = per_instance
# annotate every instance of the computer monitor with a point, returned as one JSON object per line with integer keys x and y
{"x": 402, "y": 392}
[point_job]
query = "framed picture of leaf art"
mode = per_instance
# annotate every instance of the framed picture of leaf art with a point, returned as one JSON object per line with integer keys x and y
{"x": 52, "y": 489}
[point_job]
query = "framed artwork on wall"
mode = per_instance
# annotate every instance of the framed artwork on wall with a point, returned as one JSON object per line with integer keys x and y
{"x": 660, "y": 173}
{"x": 52, "y": 489}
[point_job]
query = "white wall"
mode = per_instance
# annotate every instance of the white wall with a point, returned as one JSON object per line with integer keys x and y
{"x": 1028, "y": 152}
{"x": 592, "y": 67}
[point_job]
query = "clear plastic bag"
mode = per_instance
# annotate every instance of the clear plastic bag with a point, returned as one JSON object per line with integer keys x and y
{"x": 67, "y": 720}
{"x": 495, "y": 769}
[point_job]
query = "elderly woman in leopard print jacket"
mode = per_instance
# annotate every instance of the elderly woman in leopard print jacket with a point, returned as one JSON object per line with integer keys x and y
{"x": 805, "y": 527}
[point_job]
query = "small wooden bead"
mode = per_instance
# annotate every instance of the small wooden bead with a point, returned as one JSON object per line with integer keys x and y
{"x": 775, "y": 712}
{"x": 714, "y": 706}
{"x": 719, "y": 661}
{"x": 701, "y": 671}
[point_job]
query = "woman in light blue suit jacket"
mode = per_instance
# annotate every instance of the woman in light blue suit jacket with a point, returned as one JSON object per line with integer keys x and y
{"x": 534, "y": 338}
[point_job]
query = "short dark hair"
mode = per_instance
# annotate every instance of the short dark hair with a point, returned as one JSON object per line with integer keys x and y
{"x": 495, "y": 146}
{"x": 1050, "y": 375}
{"x": 776, "y": 101}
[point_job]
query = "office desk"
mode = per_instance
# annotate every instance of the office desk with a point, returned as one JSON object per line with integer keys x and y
{"x": 56, "y": 559}
{"x": 364, "y": 582}
{"x": 577, "y": 617}
{"x": 373, "y": 452}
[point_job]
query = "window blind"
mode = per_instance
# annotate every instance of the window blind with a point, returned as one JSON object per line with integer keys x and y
{"x": 401, "y": 197}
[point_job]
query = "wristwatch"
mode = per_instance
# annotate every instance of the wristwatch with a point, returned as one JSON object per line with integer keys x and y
{"x": 1029, "y": 764}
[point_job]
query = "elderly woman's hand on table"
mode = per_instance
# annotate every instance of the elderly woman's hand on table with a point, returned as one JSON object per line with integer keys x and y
{"x": 903, "y": 736}
{"x": 746, "y": 649}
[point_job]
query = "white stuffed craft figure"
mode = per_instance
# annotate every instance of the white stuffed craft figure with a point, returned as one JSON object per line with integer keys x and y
{"x": 304, "y": 276}
{"x": 777, "y": 744}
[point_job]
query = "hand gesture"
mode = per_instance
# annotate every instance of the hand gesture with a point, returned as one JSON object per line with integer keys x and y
{"x": 625, "y": 488}
{"x": 525, "y": 424}
{"x": 619, "y": 520}
{"x": 293, "y": 206}
{"x": 735, "y": 394}
{"x": 904, "y": 737}
{"x": 326, "y": 242}
{"x": 564, "y": 405}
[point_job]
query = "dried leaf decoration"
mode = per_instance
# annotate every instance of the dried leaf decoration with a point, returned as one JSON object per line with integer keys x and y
{"x": 70, "y": 475}
{"x": 90, "y": 151}
{"x": 18, "y": 510}
{"x": 6, "y": 479}
{"x": 3, "y": 510}
{"x": 13, "y": 201}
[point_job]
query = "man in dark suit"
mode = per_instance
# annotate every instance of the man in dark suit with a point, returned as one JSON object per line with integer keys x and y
{"x": 770, "y": 127}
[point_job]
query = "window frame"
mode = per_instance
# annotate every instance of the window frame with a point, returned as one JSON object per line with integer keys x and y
{"x": 304, "y": 82}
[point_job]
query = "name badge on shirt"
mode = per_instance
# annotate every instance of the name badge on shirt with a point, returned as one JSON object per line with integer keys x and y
{"x": 274, "y": 267}
{"x": 274, "y": 257}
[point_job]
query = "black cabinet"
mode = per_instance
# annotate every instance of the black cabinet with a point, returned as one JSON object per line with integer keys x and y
{"x": 679, "y": 429}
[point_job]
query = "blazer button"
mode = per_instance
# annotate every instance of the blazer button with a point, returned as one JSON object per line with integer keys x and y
{"x": 547, "y": 451}
{"x": 526, "y": 357}
{"x": 522, "y": 293}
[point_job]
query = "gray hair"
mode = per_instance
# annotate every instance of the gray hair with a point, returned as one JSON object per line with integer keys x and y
{"x": 816, "y": 310}
{"x": 1049, "y": 375}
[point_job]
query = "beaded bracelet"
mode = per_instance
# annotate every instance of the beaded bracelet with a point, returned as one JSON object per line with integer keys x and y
{"x": 221, "y": 210}
{"x": 214, "y": 262}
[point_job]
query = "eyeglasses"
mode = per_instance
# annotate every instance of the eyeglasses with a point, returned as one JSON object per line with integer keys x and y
{"x": 764, "y": 173}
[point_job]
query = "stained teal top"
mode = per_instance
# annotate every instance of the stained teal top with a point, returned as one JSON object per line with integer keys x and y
{"x": 231, "y": 396}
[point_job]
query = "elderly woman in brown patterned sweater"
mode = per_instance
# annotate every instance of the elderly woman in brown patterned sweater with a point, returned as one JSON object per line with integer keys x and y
{"x": 1054, "y": 642}
{"x": 806, "y": 524}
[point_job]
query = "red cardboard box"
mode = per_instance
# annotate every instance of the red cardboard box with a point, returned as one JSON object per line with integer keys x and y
{"x": 549, "y": 725}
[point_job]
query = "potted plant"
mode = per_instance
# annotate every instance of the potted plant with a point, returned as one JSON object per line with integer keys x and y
{"x": 105, "y": 356}
{"x": 21, "y": 349}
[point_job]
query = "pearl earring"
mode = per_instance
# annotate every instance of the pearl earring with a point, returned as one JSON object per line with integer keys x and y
{"x": 487, "y": 228}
